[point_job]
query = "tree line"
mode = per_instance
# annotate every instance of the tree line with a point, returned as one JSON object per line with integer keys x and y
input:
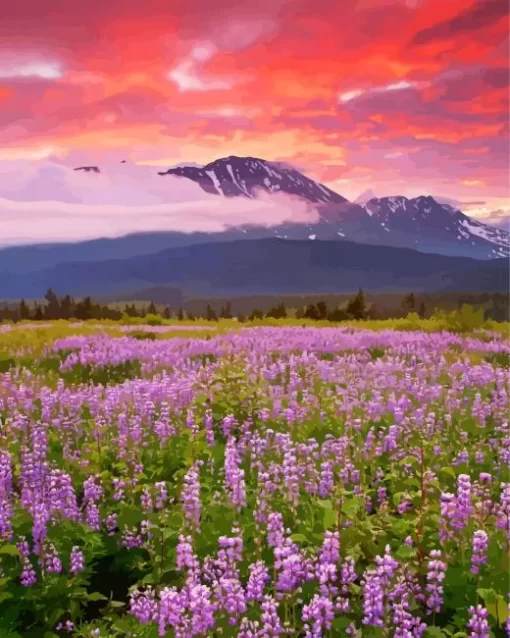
{"x": 67, "y": 307}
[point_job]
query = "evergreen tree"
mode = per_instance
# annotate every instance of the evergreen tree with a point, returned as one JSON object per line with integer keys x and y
{"x": 338, "y": 314}
{"x": 167, "y": 313}
{"x": 24, "y": 312}
{"x": 409, "y": 303}
{"x": 180, "y": 314}
{"x": 256, "y": 314}
{"x": 84, "y": 309}
{"x": 277, "y": 312}
{"x": 300, "y": 312}
{"x": 152, "y": 309}
{"x": 226, "y": 312}
{"x": 422, "y": 311}
{"x": 52, "y": 310}
{"x": 210, "y": 315}
{"x": 66, "y": 307}
{"x": 311, "y": 312}
{"x": 322, "y": 310}
{"x": 357, "y": 307}
{"x": 38, "y": 314}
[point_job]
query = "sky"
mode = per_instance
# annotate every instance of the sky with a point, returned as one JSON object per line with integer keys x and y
{"x": 398, "y": 96}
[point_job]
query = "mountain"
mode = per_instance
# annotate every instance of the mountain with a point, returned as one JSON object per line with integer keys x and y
{"x": 440, "y": 224}
{"x": 421, "y": 223}
{"x": 264, "y": 266}
{"x": 244, "y": 176}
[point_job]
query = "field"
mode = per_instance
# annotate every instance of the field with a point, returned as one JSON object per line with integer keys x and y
{"x": 252, "y": 482}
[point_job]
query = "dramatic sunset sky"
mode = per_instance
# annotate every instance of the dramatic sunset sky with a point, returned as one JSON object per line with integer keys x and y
{"x": 398, "y": 96}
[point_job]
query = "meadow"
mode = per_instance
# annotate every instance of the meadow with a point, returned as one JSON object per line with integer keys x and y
{"x": 254, "y": 481}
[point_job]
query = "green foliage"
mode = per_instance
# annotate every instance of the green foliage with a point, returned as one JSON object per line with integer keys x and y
{"x": 467, "y": 319}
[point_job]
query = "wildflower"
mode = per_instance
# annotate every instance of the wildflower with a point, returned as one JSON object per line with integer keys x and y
{"x": 436, "y": 572}
{"x": 480, "y": 544}
{"x": 77, "y": 561}
{"x": 478, "y": 623}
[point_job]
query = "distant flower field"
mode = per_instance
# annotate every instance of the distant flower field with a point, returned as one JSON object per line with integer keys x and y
{"x": 263, "y": 482}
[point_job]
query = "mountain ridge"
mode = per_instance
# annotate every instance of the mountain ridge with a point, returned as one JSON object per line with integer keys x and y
{"x": 262, "y": 266}
{"x": 426, "y": 225}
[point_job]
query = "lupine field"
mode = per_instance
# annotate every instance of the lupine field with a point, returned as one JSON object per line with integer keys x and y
{"x": 269, "y": 481}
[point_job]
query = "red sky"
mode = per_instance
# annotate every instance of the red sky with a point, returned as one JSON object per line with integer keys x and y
{"x": 400, "y": 96}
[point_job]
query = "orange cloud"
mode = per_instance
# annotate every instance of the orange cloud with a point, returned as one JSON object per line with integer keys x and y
{"x": 424, "y": 85}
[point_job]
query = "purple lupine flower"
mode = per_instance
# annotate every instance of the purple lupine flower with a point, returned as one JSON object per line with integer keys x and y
{"x": 201, "y": 608}
{"x": 373, "y": 599}
{"x": 111, "y": 523}
{"x": 186, "y": 559}
{"x": 257, "y": 581}
{"x": 478, "y": 623}
{"x": 248, "y": 629}
{"x": 143, "y": 606}
{"x": 92, "y": 516}
{"x": 275, "y": 529}
{"x": 61, "y": 495}
{"x": 234, "y": 475}
{"x": 92, "y": 490}
{"x": 28, "y": 576}
{"x": 209, "y": 428}
{"x": 190, "y": 496}
{"x": 172, "y": 606}
{"x": 118, "y": 489}
{"x": 229, "y": 595}
{"x": 51, "y": 560}
{"x": 77, "y": 561}
{"x": 463, "y": 504}
{"x": 447, "y": 507}
{"x": 480, "y": 545}
{"x": 436, "y": 572}
{"x": 503, "y": 521}
{"x": 327, "y": 565}
{"x": 326, "y": 484}
{"x": 6, "y": 510}
{"x": 130, "y": 538}
{"x": 146, "y": 500}
{"x": 161, "y": 494}
{"x": 376, "y": 584}
{"x": 318, "y": 616}
{"x": 271, "y": 627}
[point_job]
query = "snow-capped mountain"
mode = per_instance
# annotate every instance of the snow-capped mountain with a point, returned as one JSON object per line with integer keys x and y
{"x": 422, "y": 223}
{"x": 429, "y": 221}
{"x": 244, "y": 176}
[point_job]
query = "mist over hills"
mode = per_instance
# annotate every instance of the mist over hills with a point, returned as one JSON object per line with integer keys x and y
{"x": 381, "y": 244}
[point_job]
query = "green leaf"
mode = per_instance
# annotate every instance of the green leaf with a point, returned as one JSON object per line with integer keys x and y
{"x": 434, "y": 632}
{"x": 96, "y": 596}
{"x": 117, "y": 603}
{"x": 5, "y": 595}
{"x": 298, "y": 538}
{"x": 495, "y": 604}
{"x": 9, "y": 550}
{"x": 448, "y": 471}
{"x": 489, "y": 596}
{"x": 352, "y": 506}
{"x": 404, "y": 552}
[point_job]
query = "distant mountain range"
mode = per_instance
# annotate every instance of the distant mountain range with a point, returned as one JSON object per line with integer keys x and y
{"x": 381, "y": 244}
{"x": 264, "y": 266}
{"x": 421, "y": 223}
